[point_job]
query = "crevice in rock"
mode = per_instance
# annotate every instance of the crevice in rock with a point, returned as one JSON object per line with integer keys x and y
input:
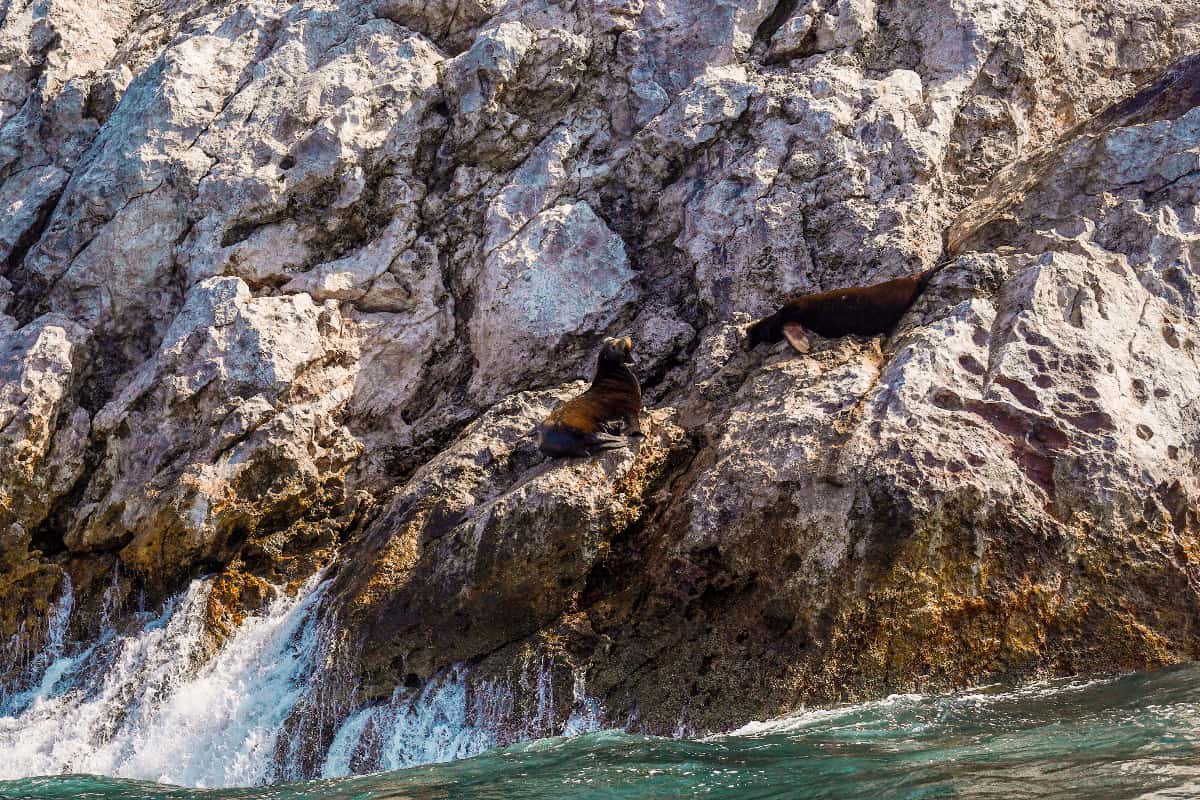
{"x": 49, "y": 535}
{"x": 782, "y": 12}
{"x": 29, "y": 287}
{"x": 401, "y": 462}
{"x": 99, "y": 103}
{"x": 619, "y": 570}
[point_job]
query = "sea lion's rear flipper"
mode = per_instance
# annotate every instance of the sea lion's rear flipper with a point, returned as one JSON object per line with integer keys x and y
{"x": 797, "y": 337}
{"x": 558, "y": 441}
{"x": 604, "y": 442}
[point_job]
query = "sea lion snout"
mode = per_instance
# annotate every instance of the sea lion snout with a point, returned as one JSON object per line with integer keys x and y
{"x": 756, "y": 333}
{"x": 619, "y": 349}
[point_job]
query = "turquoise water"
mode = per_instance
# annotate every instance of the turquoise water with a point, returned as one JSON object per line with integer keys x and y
{"x": 1135, "y": 736}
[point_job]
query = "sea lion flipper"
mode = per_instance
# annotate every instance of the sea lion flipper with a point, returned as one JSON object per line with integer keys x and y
{"x": 603, "y": 442}
{"x": 797, "y": 337}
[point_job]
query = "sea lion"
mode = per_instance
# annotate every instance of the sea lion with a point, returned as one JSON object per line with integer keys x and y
{"x": 605, "y": 417}
{"x": 859, "y": 310}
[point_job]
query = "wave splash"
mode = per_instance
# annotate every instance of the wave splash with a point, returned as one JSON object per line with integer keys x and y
{"x": 159, "y": 704}
{"x": 150, "y": 704}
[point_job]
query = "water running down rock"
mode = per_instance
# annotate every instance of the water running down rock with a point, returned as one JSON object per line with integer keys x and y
{"x": 104, "y": 708}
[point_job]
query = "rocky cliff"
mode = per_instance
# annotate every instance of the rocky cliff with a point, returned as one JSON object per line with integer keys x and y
{"x": 285, "y": 285}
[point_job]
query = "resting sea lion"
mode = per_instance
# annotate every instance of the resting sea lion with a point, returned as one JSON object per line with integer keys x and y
{"x": 860, "y": 310}
{"x": 594, "y": 421}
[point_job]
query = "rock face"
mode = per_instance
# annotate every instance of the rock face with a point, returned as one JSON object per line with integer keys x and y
{"x": 286, "y": 285}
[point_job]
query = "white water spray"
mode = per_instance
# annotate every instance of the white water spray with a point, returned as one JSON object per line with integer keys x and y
{"x": 156, "y": 704}
{"x": 452, "y": 718}
{"x": 43, "y": 669}
{"x": 138, "y": 707}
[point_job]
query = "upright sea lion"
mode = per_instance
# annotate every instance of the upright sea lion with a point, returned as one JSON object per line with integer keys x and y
{"x": 605, "y": 416}
{"x": 860, "y": 310}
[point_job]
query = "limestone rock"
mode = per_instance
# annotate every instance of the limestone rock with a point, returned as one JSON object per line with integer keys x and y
{"x": 285, "y": 285}
{"x": 564, "y": 274}
{"x": 42, "y": 432}
{"x": 250, "y": 386}
{"x": 489, "y": 541}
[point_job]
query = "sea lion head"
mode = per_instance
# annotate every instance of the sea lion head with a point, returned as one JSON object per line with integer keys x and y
{"x": 617, "y": 352}
{"x": 765, "y": 330}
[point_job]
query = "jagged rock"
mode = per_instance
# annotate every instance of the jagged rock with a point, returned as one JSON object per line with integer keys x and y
{"x": 845, "y": 24}
{"x": 502, "y": 88}
{"x": 286, "y": 284}
{"x": 250, "y": 387}
{"x": 43, "y": 441}
{"x": 490, "y": 540}
{"x": 42, "y": 433}
{"x": 564, "y": 275}
{"x": 445, "y": 21}
{"x": 793, "y": 37}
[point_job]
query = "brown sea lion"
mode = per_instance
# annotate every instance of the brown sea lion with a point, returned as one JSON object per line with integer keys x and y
{"x": 605, "y": 417}
{"x": 859, "y": 310}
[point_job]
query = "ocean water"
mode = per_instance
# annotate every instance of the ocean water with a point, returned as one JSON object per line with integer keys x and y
{"x": 1131, "y": 736}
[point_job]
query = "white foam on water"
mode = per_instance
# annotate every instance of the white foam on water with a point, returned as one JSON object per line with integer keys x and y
{"x": 148, "y": 706}
{"x": 806, "y": 718}
{"x": 978, "y": 697}
{"x": 452, "y": 718}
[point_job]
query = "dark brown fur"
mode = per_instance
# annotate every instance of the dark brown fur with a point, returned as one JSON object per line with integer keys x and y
{"x": 859, "y": 310}
{"x": 602, "y": 418}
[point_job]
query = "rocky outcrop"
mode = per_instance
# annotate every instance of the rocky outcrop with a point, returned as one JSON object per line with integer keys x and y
{"x": 253, "y": 386}
{"x": 42, "y": 447}
{"x": 285, "y": 285}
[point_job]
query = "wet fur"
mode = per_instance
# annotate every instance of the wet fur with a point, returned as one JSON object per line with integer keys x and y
{"x": 604, "y": 417}
{"x": 858, "y": 310}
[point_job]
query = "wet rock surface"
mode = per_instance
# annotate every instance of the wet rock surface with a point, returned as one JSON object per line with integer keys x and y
{"x": 287, "y": 285}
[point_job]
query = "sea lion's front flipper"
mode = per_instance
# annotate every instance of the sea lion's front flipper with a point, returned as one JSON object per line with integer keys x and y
{"x": 797, "y": 337}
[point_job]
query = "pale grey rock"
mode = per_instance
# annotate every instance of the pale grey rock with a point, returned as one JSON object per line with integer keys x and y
{"x": 316, "y": 269}
{"x": 538, "y": 183}
{"x": 6, "y": 298}
{"x": 788, "y": 204}
{"x": 444, "y": 21}
{"x": 252, "y": 386}
{"x": 565, "y": 276}
{"x": 504, "y": 91}
{"x": 845, "y": 24}
{"x": 26, "y": 197}
{"x": 42, "y": 434}
{"x": 793, "y": 37}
